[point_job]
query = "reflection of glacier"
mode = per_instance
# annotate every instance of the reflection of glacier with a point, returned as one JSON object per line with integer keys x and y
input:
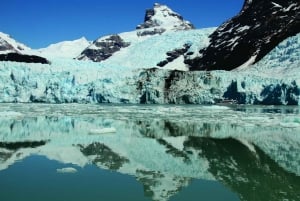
{"x": 164, "y": 147}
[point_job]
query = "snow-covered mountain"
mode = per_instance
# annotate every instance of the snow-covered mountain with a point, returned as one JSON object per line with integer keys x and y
{"x": 11, "y": 50}
{"x": 158, "y": 20}
{"x": 9, "y": 45}
{"x": 248, "y": 37}
{"x": 151, "y": 69}
{"x": 273, "y": 80}
{"x": 65, "y": 49}
{"x": 161, "y": 19}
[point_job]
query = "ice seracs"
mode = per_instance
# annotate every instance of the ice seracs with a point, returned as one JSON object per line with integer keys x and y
{"x": 129, "y": 77}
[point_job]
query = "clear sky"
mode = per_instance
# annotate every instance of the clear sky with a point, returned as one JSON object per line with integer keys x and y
{"x": 38, "y": 23}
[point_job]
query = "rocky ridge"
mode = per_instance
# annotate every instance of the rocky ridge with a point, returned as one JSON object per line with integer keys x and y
{"x": 11, "y": 50}
{"x": 248, "y": 37}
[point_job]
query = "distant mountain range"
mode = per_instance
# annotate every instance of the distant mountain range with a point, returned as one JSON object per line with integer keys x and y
{"x": 261, "y": 41}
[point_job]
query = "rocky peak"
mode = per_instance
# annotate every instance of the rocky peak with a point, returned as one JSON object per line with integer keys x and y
{"x": 162, "y": 18}
{"x": 9, "y": 45}
{"x": 11, "y": 50}
{"x": 158, "y": 20}
{"x": 5, "y": 46}
{"x": 249, "y": 36}
{"x": 103, "y": 48}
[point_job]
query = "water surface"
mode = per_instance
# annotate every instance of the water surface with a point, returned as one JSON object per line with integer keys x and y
{"x": 153, "y": 152}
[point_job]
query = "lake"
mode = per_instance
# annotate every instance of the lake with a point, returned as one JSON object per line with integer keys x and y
{"x": 149, "y": 152}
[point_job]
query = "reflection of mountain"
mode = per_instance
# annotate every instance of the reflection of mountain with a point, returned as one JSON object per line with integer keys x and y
{"x": 10, "y": 152}
{"x": 103, "y": 155}
{"x": 160, "y": 186}
{"x": 255, "y": 156}
{"x": 20, "y": 145}
{"x": 253, "y": 175}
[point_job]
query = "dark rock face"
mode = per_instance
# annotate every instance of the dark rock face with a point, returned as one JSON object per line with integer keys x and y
{"x": 248, "y": 37}
{"x": 4, "y": 46}
{"x": 148, "y": 22}
{"x": 23, "y": 58}
{"x": 174, "y": 54}
{"x": 105, "y": 48}
{"x": 152, "y": 32}
{"x": 153, "y": 19}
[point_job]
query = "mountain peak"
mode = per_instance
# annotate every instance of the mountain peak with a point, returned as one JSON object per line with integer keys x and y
{"x": 164, "y": 18}
{"x": 9, "y": 45}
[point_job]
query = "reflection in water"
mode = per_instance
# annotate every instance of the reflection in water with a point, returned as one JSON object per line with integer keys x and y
{"x": 253, "y": 175}
{"x": 252, "y": 151}
{"x": 103, "y": 155}
{"x": 21, "y": 145}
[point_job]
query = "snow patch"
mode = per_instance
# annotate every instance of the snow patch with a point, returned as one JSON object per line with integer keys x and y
{"x": 246, "y": 64}
{"x": 102, "y": 131}
{"x": 66, "y": 49}
{"x": 276, "y": 5}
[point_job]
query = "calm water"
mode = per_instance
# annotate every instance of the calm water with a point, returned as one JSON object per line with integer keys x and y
{"x": 154, "y": 152}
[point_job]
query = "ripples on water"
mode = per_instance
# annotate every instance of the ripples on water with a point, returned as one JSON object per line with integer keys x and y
{"x": 151, "y": 152}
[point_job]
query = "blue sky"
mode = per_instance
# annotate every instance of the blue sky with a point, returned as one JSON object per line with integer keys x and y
{"x": 38, "y": 23}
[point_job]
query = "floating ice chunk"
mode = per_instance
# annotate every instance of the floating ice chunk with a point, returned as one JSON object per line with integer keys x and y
{"x": 216, "y": 107}
{"x": 290, "y": 125}
{"x": 102, "y": 131}
{"x": 66, "y": 170}
{"x": 11, "y": 114}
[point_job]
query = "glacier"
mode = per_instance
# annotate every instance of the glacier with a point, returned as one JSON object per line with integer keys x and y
{"x": 131, "y": 76}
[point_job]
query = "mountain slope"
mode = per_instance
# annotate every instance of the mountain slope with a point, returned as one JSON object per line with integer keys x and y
{"x": 9, "y": 45}
{"x": 248, "y": 37}
{"x": 159, "y": 20}
{"x": 65, "y": 49}
{"x": 11, "y": 50}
